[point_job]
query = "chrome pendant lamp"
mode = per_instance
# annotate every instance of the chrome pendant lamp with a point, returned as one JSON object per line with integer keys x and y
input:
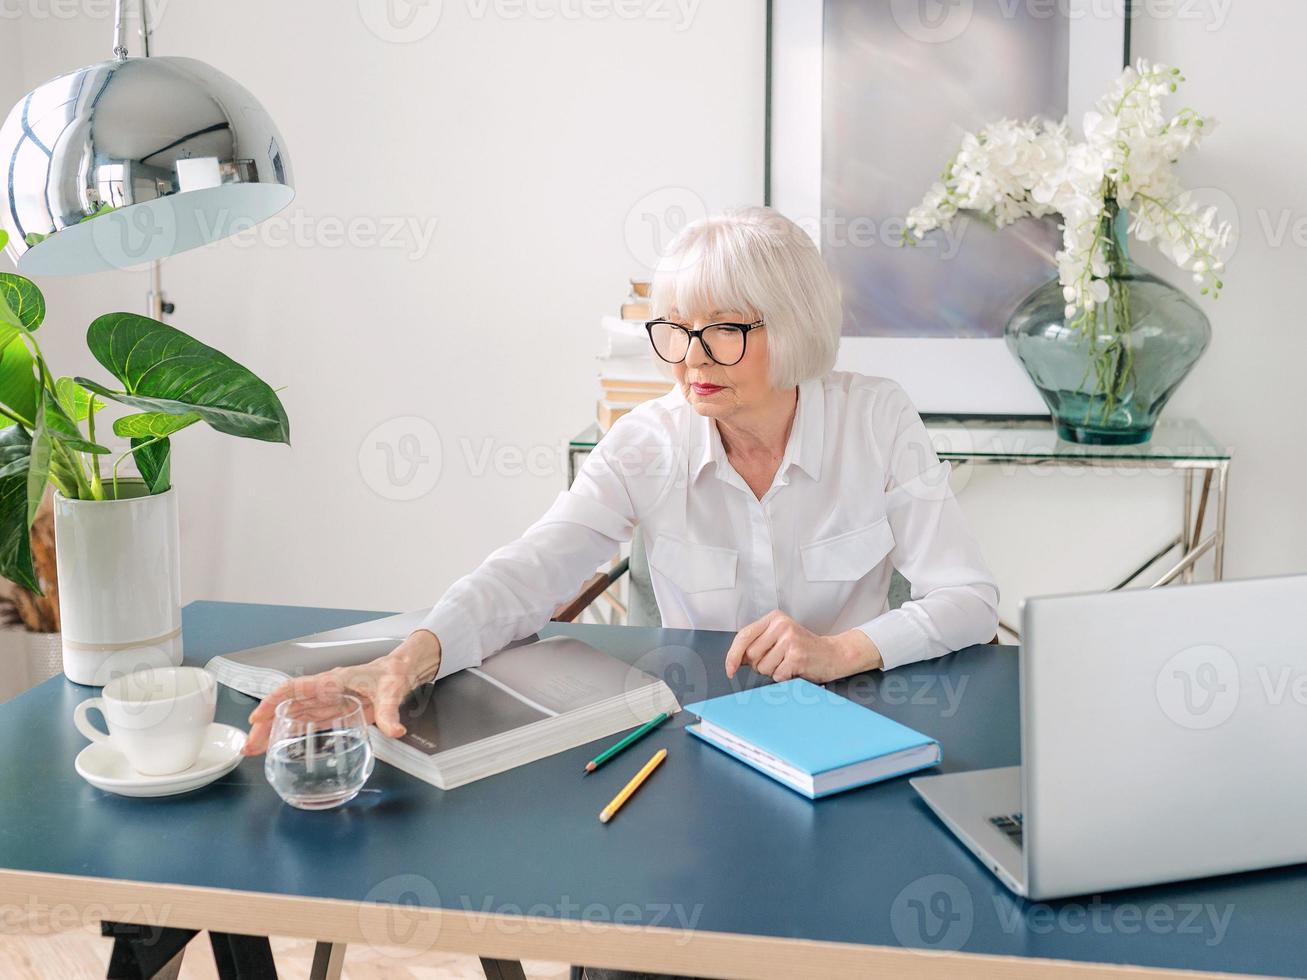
{"x": 133, "y": 159}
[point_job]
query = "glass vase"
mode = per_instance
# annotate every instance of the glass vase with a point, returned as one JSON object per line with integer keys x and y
{"x": 1106, "y": 374}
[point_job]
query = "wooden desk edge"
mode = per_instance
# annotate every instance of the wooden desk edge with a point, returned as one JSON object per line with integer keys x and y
{"x": 499, "y": 936}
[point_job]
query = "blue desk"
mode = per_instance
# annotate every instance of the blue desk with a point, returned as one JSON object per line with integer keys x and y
{"x": 713, "y": 870}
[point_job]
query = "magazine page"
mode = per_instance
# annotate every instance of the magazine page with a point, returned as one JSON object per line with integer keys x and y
{"x": 313, "y": 654}
{"x": 461, "y": 709}
{"x": 561, "y": 674}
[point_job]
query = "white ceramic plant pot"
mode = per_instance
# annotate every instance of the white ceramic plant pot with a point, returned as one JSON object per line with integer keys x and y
{"x": 119, "y": 565}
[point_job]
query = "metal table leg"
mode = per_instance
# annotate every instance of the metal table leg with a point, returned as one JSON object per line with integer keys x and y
{"x": 241, "y": 957}
{"x": 1186, "y": 527}
{"x": 155, "y": 953}
{"x": 502, "y": 969}
{"x": 1202, "y": 505}
{"x": 1192, "y": 543}
{"x": 328, "y": 961}
{"x": 1222, "y": 488}
{"x": 1153, "y": 560}
{"x": 573, "y": 456}
{"x": 145, "y": 952}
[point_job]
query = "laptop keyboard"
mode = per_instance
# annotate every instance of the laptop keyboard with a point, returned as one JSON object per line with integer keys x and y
{"x": 1010, "y": 825}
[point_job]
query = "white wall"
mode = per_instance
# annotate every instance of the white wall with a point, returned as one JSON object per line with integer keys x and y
{"x": 11, "y": 69}
{"x": 529, "y": 143}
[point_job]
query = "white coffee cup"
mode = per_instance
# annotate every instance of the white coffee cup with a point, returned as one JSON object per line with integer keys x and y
{"x": 157, "y": 717}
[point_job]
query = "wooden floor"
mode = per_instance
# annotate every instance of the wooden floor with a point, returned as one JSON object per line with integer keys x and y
{"x": 36, "y": 947}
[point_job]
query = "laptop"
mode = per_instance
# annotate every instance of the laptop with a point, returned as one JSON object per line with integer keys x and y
{"x": 1163, "y": 733}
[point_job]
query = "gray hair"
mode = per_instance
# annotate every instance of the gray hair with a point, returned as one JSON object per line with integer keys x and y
{"x": 757, "y": 262}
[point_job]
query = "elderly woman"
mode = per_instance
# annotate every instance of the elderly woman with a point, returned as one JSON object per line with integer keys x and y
{"x": 776, "y": 496}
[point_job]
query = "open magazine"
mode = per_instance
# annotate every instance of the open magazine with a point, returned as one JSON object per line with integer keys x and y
{"x": 531, "y": 700}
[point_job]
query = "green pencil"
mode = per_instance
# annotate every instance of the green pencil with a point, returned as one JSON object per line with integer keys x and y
{"x": 625, "y": 743}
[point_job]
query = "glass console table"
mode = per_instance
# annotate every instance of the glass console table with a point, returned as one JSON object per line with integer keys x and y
{"x": 1177, "y": 444}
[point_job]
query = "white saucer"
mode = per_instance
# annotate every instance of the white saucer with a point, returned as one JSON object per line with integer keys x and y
{"x": 104, "y": 767}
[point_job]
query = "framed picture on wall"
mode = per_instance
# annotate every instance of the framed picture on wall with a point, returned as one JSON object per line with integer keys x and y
{"x": 867, "y": 102}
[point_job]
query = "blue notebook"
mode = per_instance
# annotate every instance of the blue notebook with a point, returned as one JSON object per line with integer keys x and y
{"x": 811, "y": 740}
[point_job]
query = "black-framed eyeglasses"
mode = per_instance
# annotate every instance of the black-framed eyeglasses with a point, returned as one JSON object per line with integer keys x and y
{"x": 723, "y": 342}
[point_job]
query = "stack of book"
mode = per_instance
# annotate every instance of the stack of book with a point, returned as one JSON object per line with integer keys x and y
{"x": 629, "y": 373}
{"x": 636, "y": 306}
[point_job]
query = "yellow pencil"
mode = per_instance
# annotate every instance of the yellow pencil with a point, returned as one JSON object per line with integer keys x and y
{"x": 611, "y": 809}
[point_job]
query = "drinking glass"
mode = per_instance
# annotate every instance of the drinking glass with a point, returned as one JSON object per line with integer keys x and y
{"x": 319, "y": 755}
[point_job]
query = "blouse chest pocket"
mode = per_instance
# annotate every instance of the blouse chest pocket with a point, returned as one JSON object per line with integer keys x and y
{"x": 848, "y": 556}
{"x": 693, "y": 567}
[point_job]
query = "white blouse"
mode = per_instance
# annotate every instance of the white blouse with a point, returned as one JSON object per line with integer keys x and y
{"x": 858, "y": 493}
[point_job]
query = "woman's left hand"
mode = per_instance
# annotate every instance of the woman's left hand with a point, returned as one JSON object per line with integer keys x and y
{"x": 781, "y": 648}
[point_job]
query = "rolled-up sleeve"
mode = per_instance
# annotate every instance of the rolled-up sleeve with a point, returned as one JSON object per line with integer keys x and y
{"x": 954, "y": 601}
{"x": 515, "y": 591}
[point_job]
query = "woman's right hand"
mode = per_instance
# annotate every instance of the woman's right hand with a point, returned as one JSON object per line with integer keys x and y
{"x": 381, "y": 685}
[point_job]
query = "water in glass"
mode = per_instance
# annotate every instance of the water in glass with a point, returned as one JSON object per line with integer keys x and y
{"x": 319, "y": 755}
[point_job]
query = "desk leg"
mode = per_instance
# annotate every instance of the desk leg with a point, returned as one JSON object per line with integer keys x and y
{"x": 502, "y": 969}
{"x": 328, "y": 960}
{"x": 242, "y": 957}
{"x": 145, "y": 952}
{"x": 173, "y": 970}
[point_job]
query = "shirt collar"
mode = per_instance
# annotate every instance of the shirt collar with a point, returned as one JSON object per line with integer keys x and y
{"x": 804, "y": 448}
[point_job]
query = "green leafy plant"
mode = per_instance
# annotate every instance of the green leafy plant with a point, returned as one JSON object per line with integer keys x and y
{"x": 48, "y": 424}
